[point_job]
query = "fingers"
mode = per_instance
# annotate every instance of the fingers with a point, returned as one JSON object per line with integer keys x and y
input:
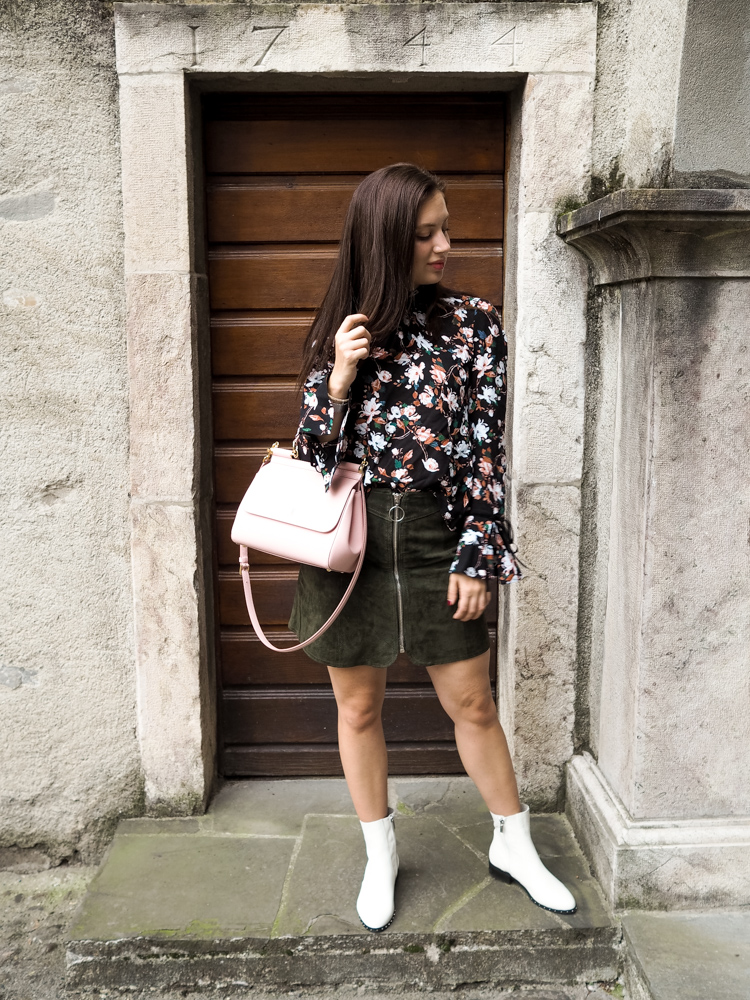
{"x": 357, "y": 339}
{"x": 452, "y": 588}
{"x": 353, "y": 329}
{"x": 352, "y": 344}
{"x": 473, "y": 596}
{"x": 467, "y": 608}
{"x": 351, "y": 320}
{"x": 360, "y": 340}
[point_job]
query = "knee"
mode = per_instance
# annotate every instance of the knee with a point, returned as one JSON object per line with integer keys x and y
{"x": 475, "y": 709}
{"x": 360, "y": 714}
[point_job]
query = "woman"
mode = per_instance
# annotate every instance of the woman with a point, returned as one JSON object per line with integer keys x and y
{"x": 408, "y": 378}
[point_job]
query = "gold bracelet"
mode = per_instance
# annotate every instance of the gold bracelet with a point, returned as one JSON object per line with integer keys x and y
{"x": 341, "y": 402}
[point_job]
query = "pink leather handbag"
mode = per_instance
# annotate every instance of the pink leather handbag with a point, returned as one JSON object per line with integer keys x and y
{"x": 287, "y": 512}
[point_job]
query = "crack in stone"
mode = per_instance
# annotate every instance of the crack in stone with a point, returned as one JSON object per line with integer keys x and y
{"x": 462, "y": 901}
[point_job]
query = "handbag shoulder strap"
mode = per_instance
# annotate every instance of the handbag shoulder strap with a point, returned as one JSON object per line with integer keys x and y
{"x": 245, "y": 574}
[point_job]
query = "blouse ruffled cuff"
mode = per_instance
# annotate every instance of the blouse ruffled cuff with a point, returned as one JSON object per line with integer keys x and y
{"x": 485, "y": 549}
{"x": 317, "y": 422}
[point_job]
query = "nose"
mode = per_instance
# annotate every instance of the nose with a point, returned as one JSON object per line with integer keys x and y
{"x": 442, "y": 245}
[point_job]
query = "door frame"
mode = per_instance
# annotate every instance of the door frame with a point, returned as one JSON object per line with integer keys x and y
{"x": 544, "y": 56}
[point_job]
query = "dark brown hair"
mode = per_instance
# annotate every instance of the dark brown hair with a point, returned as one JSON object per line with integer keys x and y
{"x": 374, "y": 266}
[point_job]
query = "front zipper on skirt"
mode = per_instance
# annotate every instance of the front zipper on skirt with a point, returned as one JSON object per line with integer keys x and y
{"x": 399, "y": 602}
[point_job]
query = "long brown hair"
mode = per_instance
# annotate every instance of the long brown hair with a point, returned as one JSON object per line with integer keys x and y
{"x": 374, "y": 266}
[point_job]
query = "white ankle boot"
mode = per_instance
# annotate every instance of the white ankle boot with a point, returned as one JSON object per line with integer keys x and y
{"x": 375, "y": 904}
{"x": 513, "y": 858}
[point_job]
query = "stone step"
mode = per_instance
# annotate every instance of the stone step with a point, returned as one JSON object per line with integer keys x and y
{"x": 261, "y": 890}
{"x": 693, "y": 955}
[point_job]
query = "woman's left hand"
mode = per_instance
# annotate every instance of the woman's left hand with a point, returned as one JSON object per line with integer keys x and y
{"x": 470, "y": 592}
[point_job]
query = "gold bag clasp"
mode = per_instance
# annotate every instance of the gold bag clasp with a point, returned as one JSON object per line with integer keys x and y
{"x": 269, "y": 452}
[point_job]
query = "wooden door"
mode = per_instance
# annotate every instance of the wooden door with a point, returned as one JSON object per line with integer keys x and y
{"x": 281, "y": 170}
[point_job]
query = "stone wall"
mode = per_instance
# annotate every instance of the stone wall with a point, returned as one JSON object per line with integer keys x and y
{"x": 712, "y": 133}
{"x": 70, "y": 762}
{"x": 638, "y": 71}
{"x": 671, "y": 104}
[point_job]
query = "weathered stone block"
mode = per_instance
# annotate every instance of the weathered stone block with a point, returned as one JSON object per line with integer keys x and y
{"x": 155, "y": 189}
{"x": 548, "y": 389}
{"x": 687, "y": 955}
{"x": 451, "y": 37}
{"x": 545, "y": 635}
{"x": 168, "y": 651}
{"x": 655, "y": 863}
{"x": 555, "y": 160}
{"x": 693, "y": 679}
{"x": 162, "y": 357}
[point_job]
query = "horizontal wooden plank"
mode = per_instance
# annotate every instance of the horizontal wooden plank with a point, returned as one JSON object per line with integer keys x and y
{"x": 247, "y": 409}
{"x": 410, "y": 712}
{"x": 321, "y": 761}
{"x": 299, "y": 209}
{"x": 258, "y": 344}
{"x": 270, "y": 277}
{"x": 287, "y": 277}
{"x": 245, "y": 661}
{"x": 236, "y": 465}
{"x": 301, "y": 105}
{"x": 273, "y": 594}
{"x": 355, "y": 145}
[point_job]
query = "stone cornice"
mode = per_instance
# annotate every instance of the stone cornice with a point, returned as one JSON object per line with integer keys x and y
{"x": 663, "y": 233}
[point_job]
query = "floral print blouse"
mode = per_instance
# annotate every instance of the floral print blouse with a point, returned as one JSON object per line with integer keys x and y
{"x": 429, "y": 414}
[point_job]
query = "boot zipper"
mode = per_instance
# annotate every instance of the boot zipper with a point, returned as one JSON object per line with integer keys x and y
{"x": 399, "y": 510}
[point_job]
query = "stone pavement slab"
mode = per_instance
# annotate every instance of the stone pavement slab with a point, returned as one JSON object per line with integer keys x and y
{"x": 436, "y": 871}
{"x": 677, "y": 955}
{"x": 455, "y": 799}
{"x": 318, "y": 897}
{"x": 263, "y": 888}
{"x": 185, "y": 886}
{"x": 276, "y": 807}
{"x": 502, "y": 907}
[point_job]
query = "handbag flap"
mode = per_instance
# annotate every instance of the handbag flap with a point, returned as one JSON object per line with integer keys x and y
{"x": 292, "y": 491}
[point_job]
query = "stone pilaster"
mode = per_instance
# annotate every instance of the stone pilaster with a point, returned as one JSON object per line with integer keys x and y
{"x": 665, "y": 809}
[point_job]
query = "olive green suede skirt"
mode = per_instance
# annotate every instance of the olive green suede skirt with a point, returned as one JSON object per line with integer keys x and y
{"x": 399, "y": 602}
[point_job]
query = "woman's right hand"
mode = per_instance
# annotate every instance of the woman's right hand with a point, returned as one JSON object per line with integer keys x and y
{"x": 352, "y": 345}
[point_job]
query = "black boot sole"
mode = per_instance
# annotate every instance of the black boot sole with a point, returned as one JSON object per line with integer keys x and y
{"x": 507, "y": 877}
{"x": 377, "y": 930}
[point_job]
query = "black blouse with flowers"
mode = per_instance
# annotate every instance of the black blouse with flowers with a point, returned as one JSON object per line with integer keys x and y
{"x": 429, "y": 414}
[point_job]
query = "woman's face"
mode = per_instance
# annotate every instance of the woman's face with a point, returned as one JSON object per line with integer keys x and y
{"x": 431, "y": 243}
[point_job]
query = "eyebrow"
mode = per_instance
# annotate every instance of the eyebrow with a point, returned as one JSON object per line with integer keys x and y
{"x": 421, "y": 225}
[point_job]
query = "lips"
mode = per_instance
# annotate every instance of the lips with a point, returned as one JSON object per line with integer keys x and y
{"x": 438, "y": 264}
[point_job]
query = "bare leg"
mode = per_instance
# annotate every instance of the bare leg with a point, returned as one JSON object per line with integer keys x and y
{"x": 464, "y": 691}
{"x": 359, "y": 695}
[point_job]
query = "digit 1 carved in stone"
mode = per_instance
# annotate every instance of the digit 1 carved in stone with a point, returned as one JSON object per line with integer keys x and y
{"x": 194, "y": 29}
{"x": 278, "y": 28}
{"x": 423, "y": 43}
{"x": 512, "y": 41}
